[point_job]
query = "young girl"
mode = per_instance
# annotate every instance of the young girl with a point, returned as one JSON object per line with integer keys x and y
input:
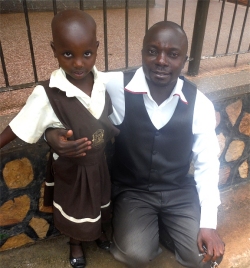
{"x": 73, "y": 98}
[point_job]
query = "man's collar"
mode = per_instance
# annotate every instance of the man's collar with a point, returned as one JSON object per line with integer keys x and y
{"x": 139, "y": 85}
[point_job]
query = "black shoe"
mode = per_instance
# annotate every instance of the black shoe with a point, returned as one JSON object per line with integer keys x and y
{"x": 76, "y": 262}
{"x": 103, "y": 244}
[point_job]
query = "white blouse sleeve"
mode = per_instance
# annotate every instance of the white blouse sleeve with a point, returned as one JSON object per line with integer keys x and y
{"x": 115, "y": 88}
{"x": 35, "y": 117}
{"x": 206, "y": 163}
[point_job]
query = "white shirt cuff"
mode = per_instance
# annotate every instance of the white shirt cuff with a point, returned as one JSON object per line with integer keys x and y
{"x": 208, "y": 217}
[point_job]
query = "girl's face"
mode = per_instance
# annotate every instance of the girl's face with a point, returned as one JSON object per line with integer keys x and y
{"x": 75, "y": 49}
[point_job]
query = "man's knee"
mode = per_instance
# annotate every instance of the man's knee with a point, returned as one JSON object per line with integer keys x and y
{"x": 134, "y": 257}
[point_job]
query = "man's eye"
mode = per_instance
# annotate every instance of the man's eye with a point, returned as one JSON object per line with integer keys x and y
{"x": 67, "y": 54}
{"x": 174, "y": 54}
{"x": 87, "y": 54}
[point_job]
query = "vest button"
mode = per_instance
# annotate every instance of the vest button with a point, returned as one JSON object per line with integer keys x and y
{"x": 157, "y": 133}
{"x": 154, "y": 152}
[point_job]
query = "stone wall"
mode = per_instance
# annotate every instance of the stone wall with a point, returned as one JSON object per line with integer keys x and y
{"x": 233, "y": 133}
{"x": 9, "y": 6}
{"x": 24, "y": 219}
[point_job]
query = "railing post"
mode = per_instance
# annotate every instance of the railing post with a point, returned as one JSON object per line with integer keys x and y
{"x": 198, "y": 36}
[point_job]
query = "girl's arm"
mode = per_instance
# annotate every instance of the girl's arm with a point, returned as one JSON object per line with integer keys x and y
{"x": 6, "y": 136}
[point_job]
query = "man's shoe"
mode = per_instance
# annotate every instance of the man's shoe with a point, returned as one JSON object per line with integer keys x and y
{"x": 79, "y": 262}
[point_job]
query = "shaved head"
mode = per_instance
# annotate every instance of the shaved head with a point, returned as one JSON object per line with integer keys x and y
{"x": 68, "y": 21}
{"x": 165, "y": 25}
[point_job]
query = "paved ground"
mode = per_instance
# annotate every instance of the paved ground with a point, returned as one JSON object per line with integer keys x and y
{"x": 234, "y": 228}
{"x": 16, "y": 48}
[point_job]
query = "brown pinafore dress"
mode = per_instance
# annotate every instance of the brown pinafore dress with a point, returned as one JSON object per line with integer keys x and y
{"x": 82, "y": 185}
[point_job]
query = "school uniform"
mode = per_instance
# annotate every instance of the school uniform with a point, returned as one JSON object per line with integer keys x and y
{"x": 81, "y": 185}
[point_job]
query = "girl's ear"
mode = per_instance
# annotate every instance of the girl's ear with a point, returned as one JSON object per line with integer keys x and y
{"x": 53, "y": 48}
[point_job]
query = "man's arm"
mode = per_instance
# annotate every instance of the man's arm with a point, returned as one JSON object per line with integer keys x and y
{"x": 206, "y": 175}
{"x": 58, "y": 140}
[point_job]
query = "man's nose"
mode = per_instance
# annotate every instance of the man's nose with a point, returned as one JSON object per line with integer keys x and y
{"x": 162, "y": 59}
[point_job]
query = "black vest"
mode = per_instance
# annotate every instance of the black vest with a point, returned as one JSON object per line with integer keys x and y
{"x": 150, "y": 159}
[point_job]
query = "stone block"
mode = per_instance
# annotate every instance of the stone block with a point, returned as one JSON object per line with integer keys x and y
{"x": 16, "y": 241}
{"x": 233, "y": 111}
{"x": 221, "y": 139}
{"x": 42, "y": 208}
{"x": 40, "y": 226}
{"x": 244, "y": 127}
{"x": 18, "y": 173}
{"x": 243, "y": 170}
{"x": 234, "y": 150}
{"x": 14, "y": 211}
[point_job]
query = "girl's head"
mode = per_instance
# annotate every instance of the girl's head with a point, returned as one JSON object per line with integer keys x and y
{"x": 74, "y": 43}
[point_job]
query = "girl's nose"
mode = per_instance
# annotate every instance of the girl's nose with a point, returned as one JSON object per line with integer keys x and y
{"x": 78, "y": 63}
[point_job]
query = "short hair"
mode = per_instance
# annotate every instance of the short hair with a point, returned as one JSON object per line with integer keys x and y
{"x": 165, "y": 24}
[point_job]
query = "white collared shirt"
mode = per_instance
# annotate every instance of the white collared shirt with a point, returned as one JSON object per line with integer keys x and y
{"x": 205, "y": 148}
{"x": 37, "y": 115}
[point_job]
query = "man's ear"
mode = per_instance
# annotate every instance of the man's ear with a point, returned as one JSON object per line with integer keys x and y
{"x": 184, "y": 62}
{"x": 53, "y": 48}
{"x": 97, "y": 44}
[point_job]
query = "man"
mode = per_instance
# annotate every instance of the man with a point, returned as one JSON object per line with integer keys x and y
{"x": 165, "y": 122}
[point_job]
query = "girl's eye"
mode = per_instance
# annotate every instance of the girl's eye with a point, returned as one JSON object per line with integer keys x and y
{"x": 67, "y": 54}
{"x": 152, "y": 52}
{"x": 87, "y": 54}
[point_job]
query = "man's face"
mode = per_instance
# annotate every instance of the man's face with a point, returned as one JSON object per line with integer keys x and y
{"x": 164, "y": 56}
{"x": 76, "y": 52}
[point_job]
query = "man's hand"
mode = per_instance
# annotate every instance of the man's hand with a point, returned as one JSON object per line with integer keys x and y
{"x": 214, "y": 246}
{"x": 58, "y": 140}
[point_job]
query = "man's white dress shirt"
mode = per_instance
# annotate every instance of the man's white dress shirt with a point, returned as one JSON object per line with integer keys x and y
{"x": 205, "y": 147}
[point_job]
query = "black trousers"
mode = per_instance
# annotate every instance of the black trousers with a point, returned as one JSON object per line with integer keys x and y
{"x": 137, "y": 232}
